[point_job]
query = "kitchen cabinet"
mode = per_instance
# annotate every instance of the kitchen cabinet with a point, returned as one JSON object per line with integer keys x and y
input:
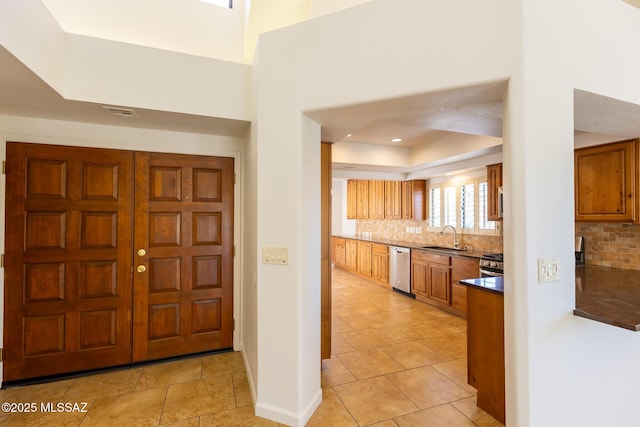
{"x": 339, "y": 252}
{"x": 352, "y": 199}
{"x": 485, "y": 350}
{"x": 494, "y": 183}
{"x": 351, "y": 255}
{"x": 380, "y": 262}
{"x": 376, "y": 199}
{"x": 461, "y": 268}
{"x": 431, "y": 277}
{"x": 414, "y": 199}
{"x": 393, "y": 199}
{"x": 362, "y": 199}
{"x": 606, "y": 179}
{"x": 364, "y": 258}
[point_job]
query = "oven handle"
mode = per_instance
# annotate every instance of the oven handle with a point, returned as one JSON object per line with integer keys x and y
{"x": 485, "y": 273}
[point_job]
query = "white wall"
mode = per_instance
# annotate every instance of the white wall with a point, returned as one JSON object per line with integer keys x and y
{"x": 563, "y": 370}
{"x": 292, "y": 77}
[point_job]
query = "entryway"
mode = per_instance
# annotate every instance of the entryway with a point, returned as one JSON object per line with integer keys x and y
{"x": 113, "y": 257}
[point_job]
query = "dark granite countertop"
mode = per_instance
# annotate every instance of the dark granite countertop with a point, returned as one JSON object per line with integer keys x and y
{"x": 608, "y": 295}
{"x": 416, "y": 245}
{"x": 604, "y": 294}
{"x": 491, "y": 284}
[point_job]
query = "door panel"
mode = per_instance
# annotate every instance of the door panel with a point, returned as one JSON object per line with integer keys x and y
{"x": 183, "y": 285}
{"x": 71, "y": 262}
{"x": 68, "y": 259}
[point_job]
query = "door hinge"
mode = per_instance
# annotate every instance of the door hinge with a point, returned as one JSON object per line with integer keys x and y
{"x": 234, "y": 325}
{"x": 2, "y": 261}
{"x": 4, "y": 167}
{"x": 233, "y": 251}
{"x": 234, "y": 178}
{"x": 1, "y": 355}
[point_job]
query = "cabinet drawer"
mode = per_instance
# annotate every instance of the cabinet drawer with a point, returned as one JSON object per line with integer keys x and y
{"x": 464, "y": 268}
{"x": 430, "y": 257}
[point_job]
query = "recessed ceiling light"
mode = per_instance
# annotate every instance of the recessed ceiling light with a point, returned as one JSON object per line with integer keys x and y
{"x": 348, "y": 135}
{"x": 396, "y": 140}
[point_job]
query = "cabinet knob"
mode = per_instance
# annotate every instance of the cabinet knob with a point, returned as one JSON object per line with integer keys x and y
{"x": 141, "y": 269}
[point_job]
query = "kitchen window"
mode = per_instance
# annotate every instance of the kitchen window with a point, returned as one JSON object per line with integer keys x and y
{"x": 461, "y": 202}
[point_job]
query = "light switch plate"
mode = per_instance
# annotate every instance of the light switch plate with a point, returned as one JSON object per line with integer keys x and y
{"x": 548, "y": 270}
{"x": 273, "y": 255}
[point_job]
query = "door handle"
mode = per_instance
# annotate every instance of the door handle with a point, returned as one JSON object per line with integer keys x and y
{"x": 142, "y": 252}
{"x": 141, "y": 268}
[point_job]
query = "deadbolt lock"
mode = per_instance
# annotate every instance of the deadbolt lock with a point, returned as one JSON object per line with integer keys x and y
{"x": 142, "y": 252}
{"x": 141, "y": 268}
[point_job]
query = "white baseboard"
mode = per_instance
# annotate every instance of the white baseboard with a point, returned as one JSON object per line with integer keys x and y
{"x": 287, "y": 417}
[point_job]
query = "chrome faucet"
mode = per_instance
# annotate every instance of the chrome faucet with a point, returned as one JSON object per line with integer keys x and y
{"x": 456, "y": 244}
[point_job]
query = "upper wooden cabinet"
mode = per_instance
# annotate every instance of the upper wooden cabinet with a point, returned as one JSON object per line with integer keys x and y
{"x": 393, "y": 199}
{"x": 494, "y": 184}
{"x": 414, "y": 199}
{"x": 606, "y": 179}
{"x": 352, "y": 199}
{"x": 376, "y": 199}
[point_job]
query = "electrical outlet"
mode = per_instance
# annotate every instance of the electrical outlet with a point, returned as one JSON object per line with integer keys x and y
{"x": 548, "y": 270}
{"x": 418, "y": 230}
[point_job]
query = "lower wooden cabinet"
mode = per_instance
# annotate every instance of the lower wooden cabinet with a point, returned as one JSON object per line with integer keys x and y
{"x": 380, "y": 262}
{"x": 365, "y": 258}
{"x": 461, "y": 268}
{"x": 431, "y": 277}
{"x": 351, "y": 255}
{"x": 485, "y": 350}
{"x": 339, "y": 252}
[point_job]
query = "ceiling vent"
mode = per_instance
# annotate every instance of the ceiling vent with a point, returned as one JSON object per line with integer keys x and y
{"x": 127, "y": 113}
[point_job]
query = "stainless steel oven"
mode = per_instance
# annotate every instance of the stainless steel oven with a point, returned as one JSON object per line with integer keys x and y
{"x": 491, "y": 265}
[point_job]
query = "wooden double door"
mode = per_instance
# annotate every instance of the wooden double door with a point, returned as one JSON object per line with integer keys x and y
{"x": 113, "y": 257}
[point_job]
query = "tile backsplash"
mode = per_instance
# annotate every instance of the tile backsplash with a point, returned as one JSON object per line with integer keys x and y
{"x": 611, "y": 245}
{"x": 396, "y": 229}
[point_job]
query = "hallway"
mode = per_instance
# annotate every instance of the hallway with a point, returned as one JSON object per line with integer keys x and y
{"x": 396, "y": 362}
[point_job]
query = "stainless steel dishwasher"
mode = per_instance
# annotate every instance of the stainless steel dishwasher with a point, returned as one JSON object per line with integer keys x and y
{"x": 400, "y": 269}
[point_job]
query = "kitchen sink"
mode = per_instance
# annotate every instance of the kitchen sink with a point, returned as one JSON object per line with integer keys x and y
{"x": 444, "y": 248}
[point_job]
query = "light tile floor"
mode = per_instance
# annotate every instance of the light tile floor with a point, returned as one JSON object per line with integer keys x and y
{"x": 396, "y": 363}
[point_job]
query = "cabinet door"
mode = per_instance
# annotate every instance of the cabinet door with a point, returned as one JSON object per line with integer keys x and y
{"x": 461, "y": 268}
{"x": 494, "y": 182}
{"x": 439, "y": 283}
{"x": 380, "y": 263}
{"x": 362, "y": 202}
{"x": 339, "y": 252}
{"x": 605, "y": 182}
{"x": 419, "y": 277}
{"x": 393, "y": 199}
{"x": 376, "y": 199}
{"x": 352, "y": 199}
{"x": 351, "y": 254}
{"x": 414, "y": 200}
{"x": 364, "y": 258}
